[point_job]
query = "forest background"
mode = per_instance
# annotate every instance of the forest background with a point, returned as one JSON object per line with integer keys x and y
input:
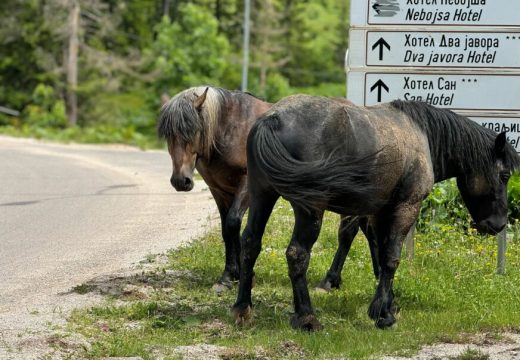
{"x": 96, "y": 70}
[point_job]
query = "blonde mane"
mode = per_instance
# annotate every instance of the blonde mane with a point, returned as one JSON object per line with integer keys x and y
{"x": 211, "y": 110}
{"x": 180, "y": 119}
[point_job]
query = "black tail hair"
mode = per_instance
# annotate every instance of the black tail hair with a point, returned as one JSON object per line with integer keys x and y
{"x": 311, "y": 184}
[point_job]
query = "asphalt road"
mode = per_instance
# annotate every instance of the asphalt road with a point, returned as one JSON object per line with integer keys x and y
{"x": 69, "y": 213}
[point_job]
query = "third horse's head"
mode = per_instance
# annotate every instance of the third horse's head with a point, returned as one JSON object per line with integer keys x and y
{"x": 485, "y": 195}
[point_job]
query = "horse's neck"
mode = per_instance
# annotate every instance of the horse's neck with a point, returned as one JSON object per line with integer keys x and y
{"x": 445, "y": 174}
{"x": 446, "y": 167}
{"x": 242, "y": 110}
{"x": 236, "y": 117}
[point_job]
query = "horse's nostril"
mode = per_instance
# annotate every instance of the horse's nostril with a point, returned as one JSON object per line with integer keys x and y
{"x": 187, "y": 181}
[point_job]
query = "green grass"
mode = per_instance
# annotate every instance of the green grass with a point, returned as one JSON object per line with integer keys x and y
{"x": 448, "y": 291}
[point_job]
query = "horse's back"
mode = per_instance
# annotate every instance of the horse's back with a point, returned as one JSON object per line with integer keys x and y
{"x": 392, "y": 148}
{"x": 330, "y": 124}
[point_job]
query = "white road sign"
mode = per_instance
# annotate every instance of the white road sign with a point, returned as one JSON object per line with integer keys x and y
{"x": 435, "y": 12}
{"x": 435, "y": 49}
{"x": 461, "y": 91}
{"x": 499, "y": 124}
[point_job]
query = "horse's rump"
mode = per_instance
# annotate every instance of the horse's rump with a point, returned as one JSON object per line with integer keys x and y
{"x": 312, "y": 183}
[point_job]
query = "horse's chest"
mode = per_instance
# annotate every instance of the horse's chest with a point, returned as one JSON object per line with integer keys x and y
{"x": 220, "y": 176}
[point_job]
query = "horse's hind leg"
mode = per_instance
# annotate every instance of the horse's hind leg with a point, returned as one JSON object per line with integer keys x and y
{"x": 392, "y": 227}
{"x": 347, "y": 231}
{"x": 368, "y": 227}
{"x": 306, "y": 230}
{"x": 259, "y": 211}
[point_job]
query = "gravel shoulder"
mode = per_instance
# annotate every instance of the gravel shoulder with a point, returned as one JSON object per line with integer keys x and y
{"x": 479, "y": 347}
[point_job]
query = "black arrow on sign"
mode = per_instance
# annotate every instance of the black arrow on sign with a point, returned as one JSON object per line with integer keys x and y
{"x": 379, "y": 85}
{"x": 376, "y": 7}
{"x": 382, "y": 44}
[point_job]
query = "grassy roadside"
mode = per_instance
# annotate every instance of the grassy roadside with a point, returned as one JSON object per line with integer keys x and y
{"x": 449, "y": 289}
{"x": 100, "y": 134}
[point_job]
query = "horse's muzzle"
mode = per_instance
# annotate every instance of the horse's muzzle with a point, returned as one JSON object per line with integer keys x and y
{"x": 182, "y": 183}
{"x": 489, "y": 227}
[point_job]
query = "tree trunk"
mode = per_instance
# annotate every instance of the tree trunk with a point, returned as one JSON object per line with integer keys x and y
{"x": 166, "y": 8}
{"x": 174, "y": 11}
{"x": 263, "y": 78}
{"x": 218, "y": 11}
{"x": 71, "y": 66}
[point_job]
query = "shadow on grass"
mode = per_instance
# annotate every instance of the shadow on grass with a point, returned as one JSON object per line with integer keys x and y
{"x": 179, "y": 299}
{"x": 123, "y": 286}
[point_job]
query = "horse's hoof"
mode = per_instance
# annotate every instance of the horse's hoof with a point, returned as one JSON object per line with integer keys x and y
{"x": 394, "y": 309}
{"x": 222, "y": 286}
{"x": 324, "y": 286}
{"x": 384, "y": 323}
{"x": 321, "y": 290}
{"x": 306, "y": 322}
{"x": 375, "y": 310}
{"x": 243, "y": 316}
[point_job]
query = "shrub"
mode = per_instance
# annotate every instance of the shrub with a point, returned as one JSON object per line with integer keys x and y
{"x": 46, "y": 110}
{"x": 444, "y": 205}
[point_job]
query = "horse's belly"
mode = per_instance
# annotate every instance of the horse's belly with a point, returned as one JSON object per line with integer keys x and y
{"x": 348, "y": 206}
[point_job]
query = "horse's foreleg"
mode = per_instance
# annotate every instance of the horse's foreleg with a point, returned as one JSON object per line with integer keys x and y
{"x": 392, "y": 228}
{"x": 306, "y": 230}
{"x": 347, "y": 231}
{"x": 251, "y": 244}
{"x": 224, "y": 203}
{"x": 231, "y": 221}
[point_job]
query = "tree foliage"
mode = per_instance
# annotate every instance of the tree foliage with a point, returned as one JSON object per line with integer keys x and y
{"x": 189, "y": 51}
{"x": 131, "y": 52}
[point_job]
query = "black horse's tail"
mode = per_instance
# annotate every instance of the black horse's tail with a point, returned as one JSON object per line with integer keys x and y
{"x": 311, "y": 184}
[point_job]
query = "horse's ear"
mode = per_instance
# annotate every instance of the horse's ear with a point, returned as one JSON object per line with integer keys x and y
{"x": 200, "y": 100}
{"x": 500, "y": 144}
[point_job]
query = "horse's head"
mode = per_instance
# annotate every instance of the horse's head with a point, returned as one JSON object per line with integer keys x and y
{"x": 185, "y": 141}
{"x": 184, "y": 158}
{"x": 485, "y": 195}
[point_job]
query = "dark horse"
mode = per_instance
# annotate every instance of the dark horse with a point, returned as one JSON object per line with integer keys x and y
{"x": 379, "y": 161}
{"x": 206, "y": 128}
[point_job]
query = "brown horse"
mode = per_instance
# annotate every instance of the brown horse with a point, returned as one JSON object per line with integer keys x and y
{"x": 206, "y": 128}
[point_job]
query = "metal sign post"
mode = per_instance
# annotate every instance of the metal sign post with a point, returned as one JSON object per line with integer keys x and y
{"x": 501, "y": 254}
{"x": 458, "y": 54}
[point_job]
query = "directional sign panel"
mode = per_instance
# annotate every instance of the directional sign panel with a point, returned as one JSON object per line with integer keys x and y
{"x": 461, "y": 91}
{"x": 498, "y": 124}
{"x": 435, "y": 49}
{"x": 435, "y": 12}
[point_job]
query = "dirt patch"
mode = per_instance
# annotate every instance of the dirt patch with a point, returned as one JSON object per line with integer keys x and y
{"x": 133, "y": 286}
{"x": 201, "y": 352}
{"x": 216, "y": 328}
{"x": 481, "y": 347}
{"x": 56, "y": 346}
{"x": 285, "y": 350}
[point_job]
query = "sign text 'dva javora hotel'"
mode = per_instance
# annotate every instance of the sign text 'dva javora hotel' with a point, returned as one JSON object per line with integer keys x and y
{"x": 458, "y": 54}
